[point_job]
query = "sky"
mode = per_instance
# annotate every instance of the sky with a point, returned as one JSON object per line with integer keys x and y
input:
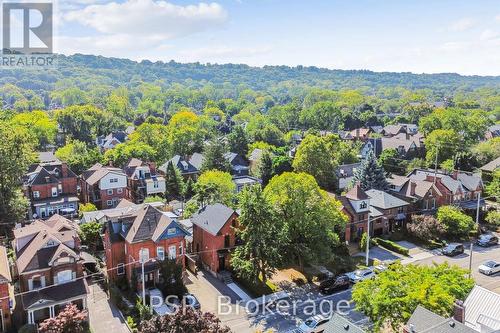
{"x": 420, "y": 36}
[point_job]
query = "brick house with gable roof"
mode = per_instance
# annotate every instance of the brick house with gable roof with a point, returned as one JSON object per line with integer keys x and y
{"x": 144, "y": 234}
{"x": 50, "y": 268}
{"x": 6, "y": 291}
{"x": 103, "y": 186}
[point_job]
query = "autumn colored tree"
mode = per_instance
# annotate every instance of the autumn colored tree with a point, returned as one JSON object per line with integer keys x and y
{"x": 70, "y": 319}
{"x": 184, "y": 321}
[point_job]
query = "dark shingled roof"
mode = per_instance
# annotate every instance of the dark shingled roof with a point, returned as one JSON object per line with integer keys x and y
{"x": 425, "y": 321}
{"x": 212, "y": 218}
{"x": 56, "y": 293}
{"x": 339, "y": 324}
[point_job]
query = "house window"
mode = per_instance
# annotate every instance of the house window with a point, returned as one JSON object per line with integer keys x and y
{"x": 120, "y": 269}
{"x": 59, "y": 188}
{"x": 36, "y": 282}
{"x": 155, "y": 184}
{"x": 160, "y": 253}
{"x": 110, "y": 203}
{"x": 36, "y": 194}
{"x": 433, "y": 202}
{"x": 361, "y": 217}
{"x": 144, "y": 255}
{"x": 227, "y": 241}
{"x": 64, "y": 276}
{"x": 362, "y": 205}
{"x": 171, "y": 231}
{"x": 119, "y": 190}
{"x": 172, "y": 252}
{"x": 110, "y": 192}
{"x": 54, "y": 192}
{"x": 113, "y": 180}
{"x": 401, "y": 210}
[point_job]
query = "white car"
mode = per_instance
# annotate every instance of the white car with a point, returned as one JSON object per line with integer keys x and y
{"x": 314, "y": 324}
{"x": 361, "y": 275}
{"x": 158, "y": 302}
{"x": 490, "y": 267}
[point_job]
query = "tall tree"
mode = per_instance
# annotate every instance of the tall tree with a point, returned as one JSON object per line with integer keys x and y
{"x": 185, "y": 133}
{"x": 39, "y": 124}
{"x": 78, "y": 155}
{"x": 16, "y": 154}
{"x": 214, "y": 157}
{"x": 370, "y": 174}
{"x": 238, "y": 141}
{"x": 174, "y": 182}
{"x": 261, "y": 235}
{"x": 309, "y": 215}
{"x": 215, "y": 186}
{"x": 394, "y": 294}
{"x": 265, "y": 168}
{"x": 456, "y": 223}
{"x": 172, "y": 282}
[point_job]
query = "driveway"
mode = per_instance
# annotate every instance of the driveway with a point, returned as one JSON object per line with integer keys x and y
{"x": 103, "y": 315}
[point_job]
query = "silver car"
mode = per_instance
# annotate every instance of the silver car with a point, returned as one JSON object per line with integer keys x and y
{"x": 490, "y": 267}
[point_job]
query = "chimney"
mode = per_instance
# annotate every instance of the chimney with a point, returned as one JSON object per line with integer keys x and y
{"x": 455, "y": 174}
{"x": 64, "y": 169}
{"x": 357, "y": 133}
{"x": 459, "y": 311}
{"x": 407, "y": 136}
{"x": 413, "y": 186}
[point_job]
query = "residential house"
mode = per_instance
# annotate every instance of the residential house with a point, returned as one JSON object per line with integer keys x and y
{"x": 51, "y": 188}
{"x": 424, "y": 194}
{"x": 6, "y": 291}
{"x": 185, "y": 167}
{"x": 388, "y": 212}
{"x": 372, "y": 144}
{"x": 459, "y": 188}
{"x": 143, "y": 181}
{"x": 340, "y": 324}
{"x": 345, "y": 174}
{"x": 254, "y": 159}
{"x": 489, "y": 168}
{"x": 50, "y": 268}
{"x": 360, "y": 133}
{"x": 103, "y": 186}
{"x": 392, "y": 130}
{"x": 111, "y": 140}
{"x": 492, "y": 132}
{"x": 480, "y": 310}
{"x": 214, "y": 236}
{"x": 196, "y": 160}
{"x": 425, "y": 321}
{"x": 242, "y": 181}
{"x": 406, "y": 148}
{"x": 239, "y": 166}
{"x": 145, "y": 235}
{"x": 356, "y": 205}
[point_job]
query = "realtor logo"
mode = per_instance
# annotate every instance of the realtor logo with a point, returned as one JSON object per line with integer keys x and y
{"x": 27, "y": 32}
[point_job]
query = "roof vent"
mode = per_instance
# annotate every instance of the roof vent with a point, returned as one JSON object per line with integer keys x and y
{"x": 452, "y": 323}
{"x": 412, "y": 328}
{"x": 346, "y": 327}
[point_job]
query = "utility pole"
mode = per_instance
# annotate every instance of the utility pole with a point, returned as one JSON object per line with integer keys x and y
{"x": 368, "y": 242}
{"x": 477, "y": 229}
{"x": 436, "y": 164}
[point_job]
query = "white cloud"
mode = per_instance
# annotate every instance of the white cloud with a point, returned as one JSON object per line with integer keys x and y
{"x": 462, "y": 24}
{"x": 489, "y": 34}
{"x": 149, "y": 18}
{"x": 222, "y": 53}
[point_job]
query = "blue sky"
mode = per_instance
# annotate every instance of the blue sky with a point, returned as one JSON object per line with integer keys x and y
{"x": 418, "y": 36}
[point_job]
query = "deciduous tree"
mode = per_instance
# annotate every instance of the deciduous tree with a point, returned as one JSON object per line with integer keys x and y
{"x": 215, "y": 186}
{"x": 184, "y": 321}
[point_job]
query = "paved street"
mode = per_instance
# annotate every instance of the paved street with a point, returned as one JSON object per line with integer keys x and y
{"x": 479, "y": 256}
{"x": 104, "y": 316}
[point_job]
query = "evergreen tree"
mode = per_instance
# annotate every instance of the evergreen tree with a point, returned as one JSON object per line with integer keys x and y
{"x": 265, "y": 169}
{"x": 214, "y": 159}
{"x": 370, "y": 174}
{"x": 174, "y": 182}
{"x": 188, "y": 189}
{"x": 238, "y": 141}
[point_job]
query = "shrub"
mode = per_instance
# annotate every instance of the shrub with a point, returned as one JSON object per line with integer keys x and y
{"x": 28, "y": 328}
{"x": 392, "y": 246}
{"x": 425, "y": 227}
{"x": 493, "y": 217}
{"x": 456, "y": 223}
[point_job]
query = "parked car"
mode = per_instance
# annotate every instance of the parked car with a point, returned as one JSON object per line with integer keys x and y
{"x": 453, "y": 249}
{"x": 334, "y": 284}
{"x": 314, "y": 324}
{"x": 361, "y": 275}
{"x": 490, "y": 267}
{"x": 192, "y": 301}
{"x": 158, "y": 302}
{"x": 487, "y": 240}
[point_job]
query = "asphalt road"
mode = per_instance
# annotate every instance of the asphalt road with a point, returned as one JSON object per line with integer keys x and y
{"x": 479, "y": 256}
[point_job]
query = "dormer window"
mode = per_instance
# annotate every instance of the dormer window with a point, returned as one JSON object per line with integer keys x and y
{"x": 362, "y": 205}
{"x": 171, "y": 231}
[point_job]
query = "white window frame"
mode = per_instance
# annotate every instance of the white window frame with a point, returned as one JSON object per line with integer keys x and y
{"x": 119, "y": 190}
{"x": 143, "y": 255}
{"x": 109, "y": 191}
{"x": 109, "y": 203}
{"x": 160, "y": 253}
{"x": 120, "y": 269}
{"x": 54, "y": 192}
{"x": 36, "y": 194}
{"x": 67, "y": 274}
{"x": 172, "y": 252}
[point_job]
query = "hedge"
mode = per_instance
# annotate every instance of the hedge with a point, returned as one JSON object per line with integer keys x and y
{"x": 392, "y": 246}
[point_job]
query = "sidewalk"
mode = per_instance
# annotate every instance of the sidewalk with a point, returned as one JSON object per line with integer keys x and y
{"x": 104, "y": 316}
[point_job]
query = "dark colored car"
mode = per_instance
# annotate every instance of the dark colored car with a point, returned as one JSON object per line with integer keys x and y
{"x": 487, "y": 240}
{"x": 332, "y": 285}
{"x": 453, "y": 249}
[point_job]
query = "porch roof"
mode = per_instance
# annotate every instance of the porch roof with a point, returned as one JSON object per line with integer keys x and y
{"x": 54, "y": 294}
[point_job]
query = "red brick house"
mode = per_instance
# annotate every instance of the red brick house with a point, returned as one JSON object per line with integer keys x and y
{"x": 5, "y": 291}
{"x": 50, "y": 268}
{"x": 143, "y": 181}
{"x": 103, "y": 186}
{"x": 51, "y": 188}
{"x": 142, "y": 235}
{"x": 214, "y": 236}
{"x": 387, "y": 212}
{"x": 424, "y": 195}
